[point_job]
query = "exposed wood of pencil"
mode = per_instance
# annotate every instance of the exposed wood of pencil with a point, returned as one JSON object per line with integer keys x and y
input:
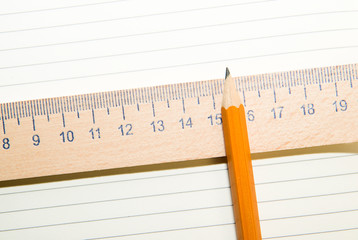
{"x": 239, "y": 164}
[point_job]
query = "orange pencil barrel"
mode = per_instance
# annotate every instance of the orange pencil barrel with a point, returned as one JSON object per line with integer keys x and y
{"x": 241, "y": 173}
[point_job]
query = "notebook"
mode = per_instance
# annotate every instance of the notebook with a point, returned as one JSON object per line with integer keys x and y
{"x": 58, "y": 48}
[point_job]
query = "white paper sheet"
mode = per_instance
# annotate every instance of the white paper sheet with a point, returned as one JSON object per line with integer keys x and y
{"x": 61, "y": 48}
{"x": 295, "y": 200}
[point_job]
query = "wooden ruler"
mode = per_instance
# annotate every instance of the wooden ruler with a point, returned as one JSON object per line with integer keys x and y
{"x": 177, "y": 122}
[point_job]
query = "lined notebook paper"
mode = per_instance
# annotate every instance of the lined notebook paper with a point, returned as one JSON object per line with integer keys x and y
{"x": 89, "y": 46}
{"x": 302, "y": 197}
{"x": 68, "y": 47}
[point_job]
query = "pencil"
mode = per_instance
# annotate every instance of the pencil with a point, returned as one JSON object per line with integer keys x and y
{"x": 239, "y": 163}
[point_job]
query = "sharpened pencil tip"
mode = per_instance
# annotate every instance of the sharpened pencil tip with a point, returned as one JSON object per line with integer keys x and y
{"x": 227, "y": 72}
{"x": 230, "y": 96}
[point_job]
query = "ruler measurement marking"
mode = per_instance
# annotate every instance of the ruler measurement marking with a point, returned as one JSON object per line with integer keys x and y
{"x": 183, "y": 105}
{"x": 146, "y": 95}
{"x": 63, "y": 115}
{"x": 39, "y": 108}
{"x": 304, "y": 83}
{"x": 84, "y": 102}
{"x": 288, "y": 82}
{"x": 131, "y": 97}
{"x": 55, "y": 106}
{"x": 331, "y": 76}
{"x": 167, "y": 96}
{"x": 163, "y": 95}
{"x": 244, "y": 98}
{"x": 33, "y": 119}
{"x": 258, "y": 85}
{"x": 296, "y": 80}
{"x": 62, "y": 104}
{"x": 350, "y": 78}
{"x": 122, "y": 105}
{"x": 271, "y": 85}
{"x": 56, "y": 109}
{"x": 104, "y": 100}
{"x": 175, "y": 92}
{"x": 29, "y": 106}
{"x": 168, "y": 103}
{"x": 93, "y": 117}
{"x": 50, "y": 105}
{"x": 3, "y": 120}
{"x": 143, "y": 95}
{"x": 251, "y": 82}
{"x": 169, "y": 89}
{"x": 191, "y": 89}
{"x": 153, "y": 110}
{"x": 43, "y": 109}
{"x": 23, "y": 106}
{"x": 91, "y": 101}
{"x": 107, "y": 104}
{"x": 9, "y": 113}
{"x": 199, "y": 88}
{"x": 95, "y": 101}
{"x": 213, "y": 98}
{"x": 47, "y": 111}
{"x": 5, "y": 113}
{"x": 13, "y": 110}
{"x": 182, "y": 91}
{"x": 264, "y": 81}
{"x": 324, "y": 76}
{"x": 17, "y": 114}
{"x": 327, "y": 76}
{"x": 21, "y": 110}
{"x": 248, "y": 83}
{"x": 67, "y": 105}
{"x": 63, "y": 120}
{"x": 319, "y": 73}
{"x": 124, "y": 97}
{"x": 111, "y": 102}
{"x": 77, "y": 106}
{"x": 151, "y": 95}
{"x": 214, "y": 87}
{"x": 87, "y": 102}
{"x": 308, "y": 77}
{"x": 205, "y": 89}
{"x": 154, "y": 93}
{"x": 238, "y": 84}
{"x": 72, "y": 104}
{"x": 115, "y": 99}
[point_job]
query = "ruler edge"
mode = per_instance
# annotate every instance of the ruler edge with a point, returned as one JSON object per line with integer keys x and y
{"x": 353, "y": 72}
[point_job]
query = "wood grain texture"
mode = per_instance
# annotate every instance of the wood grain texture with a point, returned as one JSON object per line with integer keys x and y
{"x": 284, "y": 111}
